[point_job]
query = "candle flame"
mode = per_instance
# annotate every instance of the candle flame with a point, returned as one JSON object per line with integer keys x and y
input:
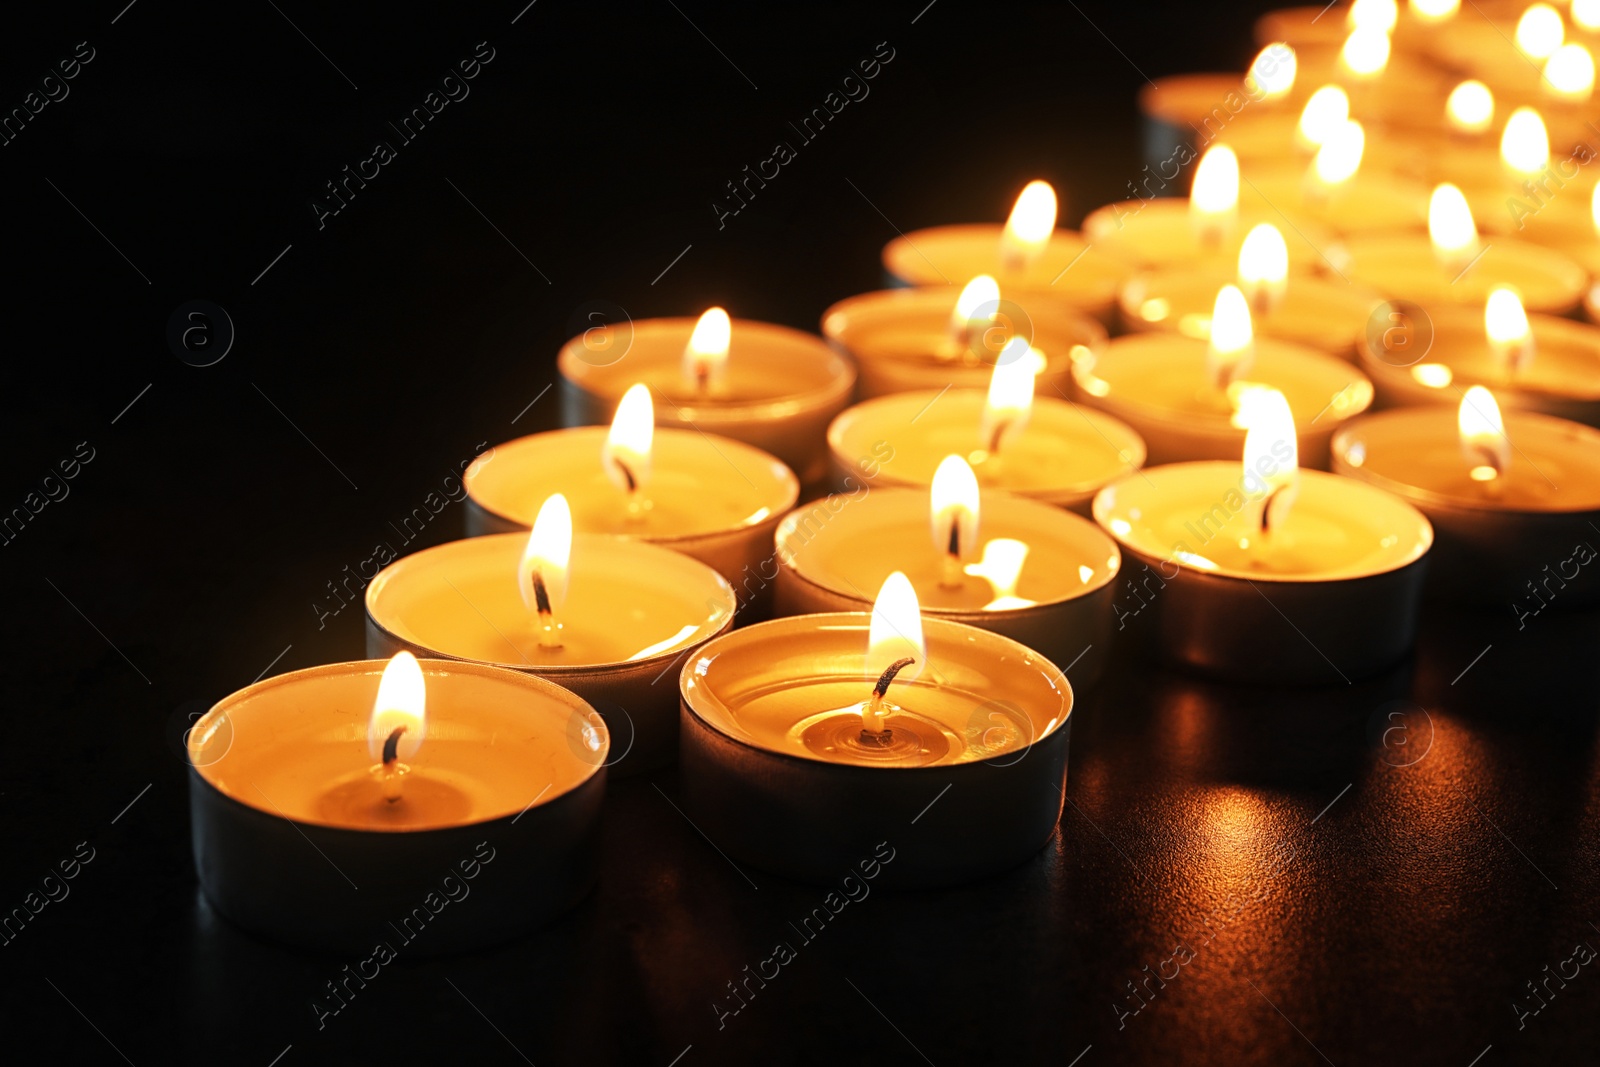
{"x": 981, "y": 294}
{"x": 953, "y": 508}
{"x": 1540, "y": 31}
{"x": 1378, "y": 15}
{"x": 1214, "y": 196}
{"x": 1450, "y": 227}
{"x": 1273, "y": 71}
{"x": 626, "y": 453}
{"x": 1340, "y": 155}
{"x": 1586, "y": 14}
{"x": 548, "y": 553}
{"x": 1569, "y": 73}
{"x": 1264, "y": 267}
{"x": 1001, "y": 567}
{"x": 1326, "y": 111}
{"x": 1365, "y": 53}
{"x": 1525, "y": 145}
{"x": 401, "y": 704}
{"x": 1269, "y": 428}
{"x": 894, "y": 634}
{"x": 1010, "y": 399}
{"x": 1434, "y": 10}
{"x": 1505, "y": 324}
{"x": 1028, "y": 229}
{"x": 705, "y": 357}
{"x": 1470, "y": 108}
{"x": 1232, "y": 346}
{"x": 1483, "y": 435}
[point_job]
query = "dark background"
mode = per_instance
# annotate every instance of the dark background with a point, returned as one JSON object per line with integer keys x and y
{"x": 1431, "y": 872}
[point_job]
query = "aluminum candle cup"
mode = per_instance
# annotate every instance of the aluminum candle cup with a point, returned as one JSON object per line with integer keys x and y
{"x": 780, "y": 390}
{"x": 634, "y": 610}
{"x": 1524, "y": 542}
{"x": 714, "y": 499}
{"x": 1562, "y": 378}
{"x": 900, "y": 339}
{"x": 1330, "y": 596}
{"x": 768, "y": 777}
{"x": 1404, "y": 267}
{"x": 494, "y": 834}
{"x": 1062, "y": 456}
{"x": 1316, "y": 312}
{"x": 834, "y": 554}
{"x": 1069, "y": 270}
{"x": 1158, "y": 384}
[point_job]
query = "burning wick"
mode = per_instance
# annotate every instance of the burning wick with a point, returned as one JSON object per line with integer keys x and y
{"x": 1266, "y": 508}
{"x": 392, "y": 770}
{"x": 549, "y": 632}
{"x": 626, "y": 454}
{"x": 873, "y": 731}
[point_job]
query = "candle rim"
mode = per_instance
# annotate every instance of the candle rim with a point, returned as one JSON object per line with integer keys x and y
{"x": 785, "y": 479}
{"x": 859, "y": 623}
{"x": 1103, "y": 504}
{"x": 1205, "y": 280}
{"x": 915, "y": 257}
{"x": 432, "y": 666}
{"x": 1562, "y": 277}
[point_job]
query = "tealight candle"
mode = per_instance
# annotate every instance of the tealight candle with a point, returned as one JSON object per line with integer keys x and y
{"x": 804, "y": 757}
{"x": 1209, "y": 226}
{"x": 1305, "y": 309}
{"x": 930, "y": 337}
{"x": 1515, "y": 498}
{"x": 1035, "y": 573}
{"x": 712, "y": 498}
{"x": 1044, "y": 447}
{"x": 768, "y": 386}
{"x": 1028, "y": 256}
{"x": 1187, "y": 397}
{"x": 1271, "y": 573}
{"x": 310, "y": 828}
{"x": 604, "y": 616}
{"x": 1452, "y": 266}
{"x": 1337, "y": 192}
{"x": 1181, "y": 108}
{"x": 1534, "y": 363}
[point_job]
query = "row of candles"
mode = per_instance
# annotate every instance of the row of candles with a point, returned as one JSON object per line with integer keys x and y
{"x": 997, "y": 464}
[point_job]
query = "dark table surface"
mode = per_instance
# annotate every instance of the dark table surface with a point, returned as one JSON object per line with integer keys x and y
{"x": 1370, "y": 873}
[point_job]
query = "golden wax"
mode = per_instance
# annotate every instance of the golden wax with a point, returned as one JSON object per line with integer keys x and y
{"x": 1403, "y": 267}
{"x": 1158, "y": 233}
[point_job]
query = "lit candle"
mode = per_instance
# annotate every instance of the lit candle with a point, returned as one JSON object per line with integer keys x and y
{"x": 602, "y": 615}
{"x": 788, "y": 727}
{"x": 1569, "y": 75}
{"x": 1315, "y": 311}
{"x": 1028, "y": 256}
{"x": 712, "y": 498}
{"x": 1184, "y": 395}
{"x": 1168, "y": 233}
{"x": 1035, "y": 573}
{"x": 1040, "y": 447}
{"x": 1258, "y": 543}
{"x": 929, "y": 337}
{"x": 768, "y": 386}
{"x": 1535, "y": 363}
{"x": 1338, "y": 192}
{"x": 1455, "y": 267}
{"x": 310, "y": 828}
{"x": 1540, "y": 31}
{"x": 1514, "y": 498}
